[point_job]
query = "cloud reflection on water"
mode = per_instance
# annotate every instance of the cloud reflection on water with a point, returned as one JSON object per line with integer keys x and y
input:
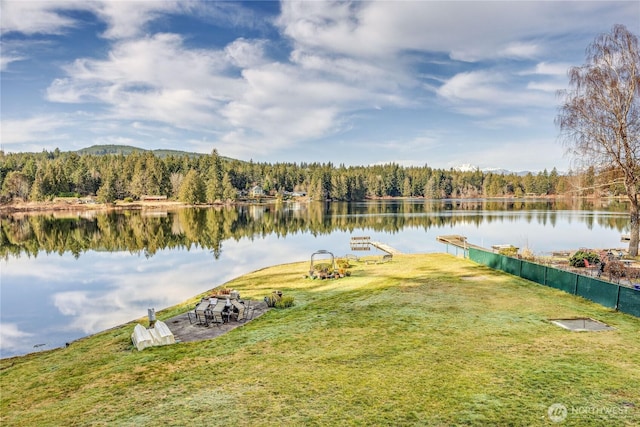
{"x": 119, "y": 287}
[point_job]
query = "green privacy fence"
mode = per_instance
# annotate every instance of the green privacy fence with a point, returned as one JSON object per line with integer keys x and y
{"x": 605, "y": 293}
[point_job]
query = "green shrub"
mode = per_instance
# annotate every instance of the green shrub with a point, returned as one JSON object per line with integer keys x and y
{"x": 285, "y": 302}
{"x": 323, "y": 267}
{"x": 343, "y": 263}
{"x": 511, "y": 251}
{"x": 273, "y": 298}
{"x": 577, "y": 259}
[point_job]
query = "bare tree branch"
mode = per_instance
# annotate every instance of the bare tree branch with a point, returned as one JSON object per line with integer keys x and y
{"x": 599, "y": 119}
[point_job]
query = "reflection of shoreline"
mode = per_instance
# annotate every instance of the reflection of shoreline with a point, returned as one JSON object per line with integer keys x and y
{"x": 76, "y": 205}
{"x": 159, "y": 225}
{"x": 40, "y": 208}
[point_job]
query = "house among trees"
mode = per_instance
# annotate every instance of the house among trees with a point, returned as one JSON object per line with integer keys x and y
{"x": 256, "y": 191}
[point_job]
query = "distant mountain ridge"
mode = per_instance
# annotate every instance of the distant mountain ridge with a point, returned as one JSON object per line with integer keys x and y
{"x": 100, "y": 150}
{"x": 498, "y": 171}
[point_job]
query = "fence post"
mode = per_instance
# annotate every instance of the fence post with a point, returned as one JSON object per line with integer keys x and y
{"x": 618, "y": 298}
{"x": 520, "y": 268}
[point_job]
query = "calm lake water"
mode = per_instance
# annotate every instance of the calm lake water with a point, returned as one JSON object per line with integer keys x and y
{"x": 69, "y": 275}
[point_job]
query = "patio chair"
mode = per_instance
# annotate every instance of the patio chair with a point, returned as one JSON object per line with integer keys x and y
{"x": 240, "y": 308}
{"x": 192, "y": 316}
{"x": 591, "y": 268}
{"x": 249, "y": 310}
{"x": 216, "y": 311}
{"x": 212, "y": 317}
{"x": 199, "y": 313}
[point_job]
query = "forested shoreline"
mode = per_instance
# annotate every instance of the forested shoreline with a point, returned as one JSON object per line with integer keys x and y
{"x": 200, "y": 178}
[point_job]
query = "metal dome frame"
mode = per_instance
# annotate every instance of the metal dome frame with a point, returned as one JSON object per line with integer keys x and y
{"x": 322, "y": 252}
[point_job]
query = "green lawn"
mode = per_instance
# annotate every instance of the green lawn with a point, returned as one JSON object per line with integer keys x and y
{"x": 422, "y": 340}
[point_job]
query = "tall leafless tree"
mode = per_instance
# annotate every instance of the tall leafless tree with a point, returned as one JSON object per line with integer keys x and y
{"x": 599, "y": 119}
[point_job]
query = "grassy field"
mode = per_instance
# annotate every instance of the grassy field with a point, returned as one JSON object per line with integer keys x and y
{"x": 422, "y": 340}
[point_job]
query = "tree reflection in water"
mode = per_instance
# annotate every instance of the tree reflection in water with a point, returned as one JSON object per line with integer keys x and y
{"x": 147, "y": 232}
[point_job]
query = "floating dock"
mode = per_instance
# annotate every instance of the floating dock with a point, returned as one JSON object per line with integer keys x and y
{"x": 457, "y": 241}
{"x": 365, "y": 244}
{"x": 385, "y": 248}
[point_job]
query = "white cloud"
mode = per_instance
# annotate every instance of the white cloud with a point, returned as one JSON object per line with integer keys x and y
{"x": 37, "y": 128}
{"x": 379, "y": 82}
{"x": 282, "y": 104}
{"x": 246, "y": 53}
{"x": 370, "y": 46}
{"x": 484, "y": 92}
{"x": 476, "y": 85}
{"x": 126, "y": 19}
{"x": 278, "y": 125}
{"x": 36, "y": 17}
{"x": 552, "y": 69}
{"x": 12, "y": 338}
{"x": 468, "y": 31}
{"x": 6, "y": 59}
{"x": 520, "y": 50}
{"x": 16, "y": 50}
{"x": 154, "y": 78}
{"x": 158, "y": 79}
{"x": 548, "y": 77}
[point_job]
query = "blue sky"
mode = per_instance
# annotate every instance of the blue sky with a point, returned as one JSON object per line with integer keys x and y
{"x": 355, "y": 83}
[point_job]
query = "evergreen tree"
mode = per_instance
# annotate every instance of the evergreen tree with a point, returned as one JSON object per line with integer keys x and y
{"x": 406, "y": 187}
{"x": 229, "y": 192}
{"x": 107, "y": 193}
{"x": 214, "y": 180}
{"x": 192, "y": 190}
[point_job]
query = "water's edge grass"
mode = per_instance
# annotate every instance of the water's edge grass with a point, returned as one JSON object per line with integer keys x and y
{"x": 422, "y": 340}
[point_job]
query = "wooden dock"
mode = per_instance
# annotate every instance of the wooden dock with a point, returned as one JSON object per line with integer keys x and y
{"x": 385, "y": 248}
{"x": 457, "y": 241}
{"x": 365, "y": 244}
